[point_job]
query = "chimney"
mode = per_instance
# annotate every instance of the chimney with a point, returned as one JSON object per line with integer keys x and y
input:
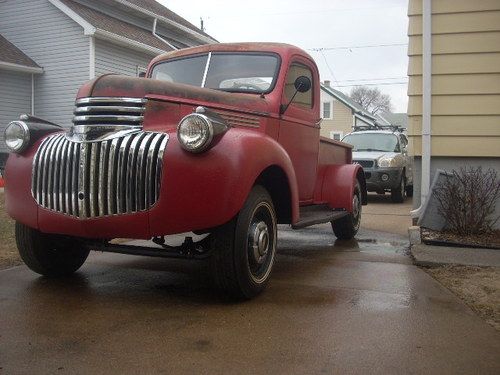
{"x": 326, "y": 83}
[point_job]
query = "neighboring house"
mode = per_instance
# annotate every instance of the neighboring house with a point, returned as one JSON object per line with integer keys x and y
{"x": 49, "y": 48}
{"x": 397, "y": 119}
{"x": 340, "y": 113}
{"x": 454, "y": 87}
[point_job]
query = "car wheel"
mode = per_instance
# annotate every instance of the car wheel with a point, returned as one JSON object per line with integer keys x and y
{"x": 347, "y": 227}
{"x": 244, "y": 249}
{"x": 48, "y": 254}
{"x": 398, "y": 193}
{"x": 409, "y": 191}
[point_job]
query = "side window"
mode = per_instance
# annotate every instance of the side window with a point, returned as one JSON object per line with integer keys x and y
{"x": 327, "y": 110}
{"x": 336, "y": 135}
{"x": 302, "y": 99}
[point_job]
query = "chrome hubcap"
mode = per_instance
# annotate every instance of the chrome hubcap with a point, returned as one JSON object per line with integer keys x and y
{"x": 355, "y": 206}
{"x": 259, "y": 241}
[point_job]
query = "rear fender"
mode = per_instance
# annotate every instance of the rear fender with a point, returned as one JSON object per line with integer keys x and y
{"x": 338, "y": 185}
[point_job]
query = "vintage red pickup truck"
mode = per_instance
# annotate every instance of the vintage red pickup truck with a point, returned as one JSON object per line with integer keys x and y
{"x": 221, "y": 140}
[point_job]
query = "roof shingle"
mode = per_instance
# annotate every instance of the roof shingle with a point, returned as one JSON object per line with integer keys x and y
{"x": 115, "y": 26}
{"x": 9, "y": 53}
{"x": 156, "y": 8}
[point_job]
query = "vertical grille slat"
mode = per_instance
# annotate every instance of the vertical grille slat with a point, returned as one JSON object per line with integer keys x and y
{"x": 44, "y": 171}
{"x": 101, "y": 176}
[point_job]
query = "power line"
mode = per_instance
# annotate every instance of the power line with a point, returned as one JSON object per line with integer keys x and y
{"x": 321, "y": 49}
{"x": 372, "y": 79}
{"x": 328, "y": 66}
{"x": 376, "y": 84}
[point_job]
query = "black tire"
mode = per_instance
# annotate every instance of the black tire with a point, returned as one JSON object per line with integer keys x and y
{"x": 398, "y": 193}
{"x": 240, "y": 269}
{"x": 49, "y": 255}
{"x": 347, "y": 227}
{"x": 409, "y": 191}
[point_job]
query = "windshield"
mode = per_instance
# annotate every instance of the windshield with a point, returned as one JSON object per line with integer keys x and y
{"x": 372, "y": 142}
{"x": 234, "y": 72}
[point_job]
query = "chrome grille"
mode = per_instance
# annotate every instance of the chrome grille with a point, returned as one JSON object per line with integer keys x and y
{"x": 109, "y": 111}
{"x": 85, "y": 180}
{"x": 365, "y": 163}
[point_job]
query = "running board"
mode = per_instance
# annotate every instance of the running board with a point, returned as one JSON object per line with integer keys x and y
{"x": 317, "y": 214}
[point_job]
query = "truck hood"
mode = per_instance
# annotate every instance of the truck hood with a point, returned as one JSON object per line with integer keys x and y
{"x": 123, "y": 86}
{"x": 372, "y": 155}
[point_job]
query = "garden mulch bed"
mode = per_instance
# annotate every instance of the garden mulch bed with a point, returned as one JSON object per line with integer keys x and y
{"x": 485, "y": 241}
{"x": 9, "y": 256}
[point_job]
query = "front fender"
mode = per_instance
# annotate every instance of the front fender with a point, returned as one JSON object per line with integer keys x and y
{"x": 338, "y": 185}
{"x": 202, "y": 191}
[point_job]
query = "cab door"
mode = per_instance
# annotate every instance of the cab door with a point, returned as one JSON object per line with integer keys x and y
{"x": 299, "y": 127}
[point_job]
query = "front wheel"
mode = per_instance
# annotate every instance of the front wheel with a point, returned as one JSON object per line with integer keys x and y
{"x": 47, "y": 254}
{"x": 347, "y": 227}
{"x": 398, "y": 193}
{"x": 244, "y": 249}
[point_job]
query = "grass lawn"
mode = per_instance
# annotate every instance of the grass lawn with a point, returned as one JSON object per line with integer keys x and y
{"x": 8, "y": 251}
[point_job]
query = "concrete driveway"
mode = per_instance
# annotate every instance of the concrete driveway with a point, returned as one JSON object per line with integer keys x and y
{"x": 354, "y": 307}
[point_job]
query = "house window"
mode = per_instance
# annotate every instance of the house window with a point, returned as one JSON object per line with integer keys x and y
{"x": 141, "y": 71}
{"x": 336, "y": 135}
{"x": 327, "y": 110}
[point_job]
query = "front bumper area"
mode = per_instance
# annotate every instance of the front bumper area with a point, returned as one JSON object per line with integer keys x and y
{"x": 381, "y": 179}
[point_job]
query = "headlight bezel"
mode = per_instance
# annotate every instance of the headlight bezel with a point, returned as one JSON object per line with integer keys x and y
{"x": 25, "y": 138}
{"x": 386, "y": 162}
{"x": 214, "y": 127}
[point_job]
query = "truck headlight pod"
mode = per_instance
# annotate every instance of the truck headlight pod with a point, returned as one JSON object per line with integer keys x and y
{"x": 17, "y": 136}
{"x": 197, "y": 130}
{"x": 387, "y": 162}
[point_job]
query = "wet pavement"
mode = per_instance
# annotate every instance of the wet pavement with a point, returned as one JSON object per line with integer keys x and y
{"x": 331, "y": 307}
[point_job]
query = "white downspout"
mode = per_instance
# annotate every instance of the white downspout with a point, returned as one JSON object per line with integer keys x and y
{"x": 159, "y": 37}
{"x": 32, "y": 94}
{"x": 91, "y": 57}
{"x": 426, "y": 104}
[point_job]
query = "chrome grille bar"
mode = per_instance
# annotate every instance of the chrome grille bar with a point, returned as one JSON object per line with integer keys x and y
{"x": 109, "y": 110}
{"x": 95, "y": 179}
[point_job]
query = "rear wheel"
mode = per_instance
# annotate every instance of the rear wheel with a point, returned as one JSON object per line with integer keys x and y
{"x": 347, "y": 227}
{"x": 47, "y": 254}
{"x": 398, "y": 193}
{"x": 244, "y": 249}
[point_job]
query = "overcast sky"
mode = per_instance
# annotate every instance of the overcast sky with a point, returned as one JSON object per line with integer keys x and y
{"x": 330, "y": 25}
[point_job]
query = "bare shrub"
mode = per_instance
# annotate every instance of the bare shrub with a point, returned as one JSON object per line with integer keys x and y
{"x": 467, "y": 199}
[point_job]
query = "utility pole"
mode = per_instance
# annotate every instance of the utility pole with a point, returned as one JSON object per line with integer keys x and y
{"x": 202, "y": 27}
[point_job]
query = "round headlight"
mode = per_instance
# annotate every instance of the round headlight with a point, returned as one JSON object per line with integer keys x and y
{"x": 195, "y": 132}
{"x": 17, "y": 136}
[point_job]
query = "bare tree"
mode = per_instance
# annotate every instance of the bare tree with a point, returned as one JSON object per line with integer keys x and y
{"x": 371, "y": 99}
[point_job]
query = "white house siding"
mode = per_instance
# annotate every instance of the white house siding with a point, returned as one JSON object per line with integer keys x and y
{"x": 111, "y": 58}
{"x": 15, "y": 98}
{"x": 57, "y": 44}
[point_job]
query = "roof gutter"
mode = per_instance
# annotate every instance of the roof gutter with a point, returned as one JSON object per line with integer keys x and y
{"x": 185, "y": 29}
{"x": 20, "y": 68}
{"x": 102, "y": 34}
{"x": 159, "y": 37}
{"x": 426, "y": 105}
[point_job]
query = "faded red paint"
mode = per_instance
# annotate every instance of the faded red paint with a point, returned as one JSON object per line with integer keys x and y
{"x": 202, "y": 191}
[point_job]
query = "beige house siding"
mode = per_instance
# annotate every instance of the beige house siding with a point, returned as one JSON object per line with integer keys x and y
{"x": 342, "y": 119}
{"x": 465, "y": 77}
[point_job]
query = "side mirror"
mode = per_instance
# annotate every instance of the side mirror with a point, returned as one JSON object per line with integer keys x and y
{"x": 302, "y": 84}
